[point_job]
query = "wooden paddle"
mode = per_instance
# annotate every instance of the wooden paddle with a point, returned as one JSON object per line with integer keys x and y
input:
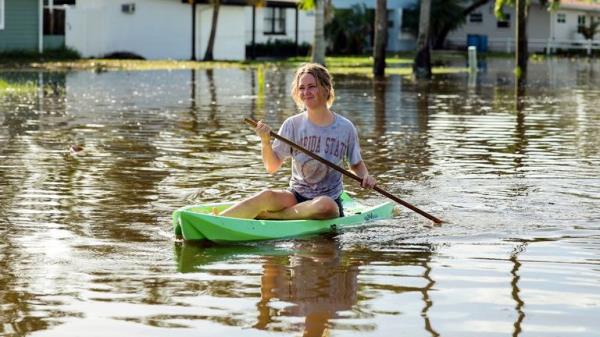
{"x": 347, "y": 173}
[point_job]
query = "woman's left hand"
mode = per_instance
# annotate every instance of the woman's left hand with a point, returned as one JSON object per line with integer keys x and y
{"x": 368, "y": 181}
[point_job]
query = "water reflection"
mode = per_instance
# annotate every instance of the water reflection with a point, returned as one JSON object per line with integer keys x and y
{"x": 315, "y": 285}
{"x": 515, "y": 288}
{"x": 16, "y": 314}
{"x": 379, "y": 106}
{"x": 312, "y": 284}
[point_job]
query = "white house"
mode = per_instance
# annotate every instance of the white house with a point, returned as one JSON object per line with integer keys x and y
{"x": 162, "y": 29}
{"x": 546, "y": 30}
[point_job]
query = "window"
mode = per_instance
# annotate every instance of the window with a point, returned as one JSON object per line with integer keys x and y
{"x": 561, "y": 18}
{"x": 476, "y": 17}
{"x": 60, "y": 2}
{"x": 274, "y": 20}
{"x": 405, "y": 26}
{"x": 54, "y": 16}
{"x": 580, "y": 23}
{"x": 1, "y": 14}
{"x": 504, "y": 23}
{"x": 54, "y": 21}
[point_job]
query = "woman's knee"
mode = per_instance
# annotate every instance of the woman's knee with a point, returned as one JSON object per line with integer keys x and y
{"x": 327, "y": 207}
{"x": 265, "y": 195}
{"x": 274, "y": 199}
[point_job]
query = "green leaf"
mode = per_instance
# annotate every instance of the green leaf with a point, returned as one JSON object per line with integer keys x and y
{"x": 307, "y": 4}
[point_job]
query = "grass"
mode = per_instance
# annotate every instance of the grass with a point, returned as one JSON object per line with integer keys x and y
{"x": 396, "y": 64}
{"x": 68, "y": 60}
{"x": 17, "y": 87}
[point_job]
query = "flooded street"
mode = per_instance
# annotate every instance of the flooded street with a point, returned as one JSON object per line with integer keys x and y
{"x": 92, "y": 165}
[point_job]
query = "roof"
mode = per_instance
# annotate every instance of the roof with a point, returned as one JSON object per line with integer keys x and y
{"x": 580, "y": 4}
{"x": 269, "y": 3}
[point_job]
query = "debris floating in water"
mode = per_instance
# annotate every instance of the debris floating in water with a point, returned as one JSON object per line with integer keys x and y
{"x": 76, "y": 150}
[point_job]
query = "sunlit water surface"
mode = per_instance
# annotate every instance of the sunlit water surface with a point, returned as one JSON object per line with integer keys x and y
{"x": 87, "y": 248}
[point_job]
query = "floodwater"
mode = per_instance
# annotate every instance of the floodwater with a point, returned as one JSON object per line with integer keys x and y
{"x": 87, "y": 249}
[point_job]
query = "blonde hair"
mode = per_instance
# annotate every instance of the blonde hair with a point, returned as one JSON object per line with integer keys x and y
{"x": 321, "y": 75}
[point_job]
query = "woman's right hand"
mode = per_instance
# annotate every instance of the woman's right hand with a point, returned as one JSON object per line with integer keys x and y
{"x": 263, "y": 131}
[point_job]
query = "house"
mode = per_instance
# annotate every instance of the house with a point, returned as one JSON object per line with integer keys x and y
{"x": 21, "y": 25}
{"x": 175, "y": 29}
{"x": 398, "y": 38}
{"x": 32, "y": 25}
{"x": 547, "y": 31}
{"x": 54, "y": 23}
{"x": 278, "y": 21}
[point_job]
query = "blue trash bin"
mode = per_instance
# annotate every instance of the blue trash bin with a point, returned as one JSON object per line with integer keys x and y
{"x": 483, "y": 43}
{"x": 473, "y": 40}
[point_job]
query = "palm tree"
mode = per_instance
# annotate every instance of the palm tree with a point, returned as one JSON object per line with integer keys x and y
{"x": 380, "y": 38}
{"x": 319, "y": 43}
{"x": 522, "y": 8}
{"x": 590, "y": 31}
{"x": 449, "y": 15}
{"x": 453, "y": 16}
{"x": 208, "y": 56}
{"x": 350, "y": 30}
{"x": 318, "y": 51}
{"x": 193, "y": 5}
{"x": 422, "y": 63}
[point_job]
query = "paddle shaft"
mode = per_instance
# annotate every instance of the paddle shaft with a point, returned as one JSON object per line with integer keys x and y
{"x": 347, "y": 173}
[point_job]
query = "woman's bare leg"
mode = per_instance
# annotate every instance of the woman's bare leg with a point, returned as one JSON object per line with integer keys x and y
{"x": 318, "y": 208}
{"x": 265, "y": 201}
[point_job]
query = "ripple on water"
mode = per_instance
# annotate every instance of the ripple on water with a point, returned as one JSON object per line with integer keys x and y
{"x": 86, "y": 240}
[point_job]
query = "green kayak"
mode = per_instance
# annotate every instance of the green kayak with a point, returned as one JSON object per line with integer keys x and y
{"x": 197, "y": 223}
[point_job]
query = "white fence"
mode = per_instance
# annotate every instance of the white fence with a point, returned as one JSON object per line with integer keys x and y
{"x": 588, "y": 45}
{"x": 548, "y": 46}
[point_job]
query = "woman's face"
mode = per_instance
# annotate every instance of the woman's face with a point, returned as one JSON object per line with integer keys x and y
{"x": 311, "y": 94}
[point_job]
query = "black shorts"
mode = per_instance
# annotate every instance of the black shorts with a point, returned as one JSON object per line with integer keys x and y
{"x": 300, "y": 198}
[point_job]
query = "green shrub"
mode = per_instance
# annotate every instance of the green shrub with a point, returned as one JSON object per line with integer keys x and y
{"x": 277, "y": 49}
{"x": 61, "y": 54}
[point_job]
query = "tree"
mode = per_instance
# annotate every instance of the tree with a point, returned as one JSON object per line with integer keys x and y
{"x": 193, "y": 5}
{"x": 521, "y": 53}
{"x": 590, "y": 31}
{"x": 319, "y": 43}
{"x": 208, "y": 56}
{"x": 448, "y": 14}
{"x": 422, "y": 63}
{"x": 318, "y": 50}
{"x": 350, "y": 30}
{"x": 380, "y": 38}
{"x": 454, "y": 17}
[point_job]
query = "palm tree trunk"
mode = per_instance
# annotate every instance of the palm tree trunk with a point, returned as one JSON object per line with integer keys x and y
{"x": 422, "y": 64}
{"x": 193, "y": 4}
{"x": 380, "y": 38}
{"x": 318, "y": 48}
{"x": 521, "y": 36}
{"x": 208, "y": 56}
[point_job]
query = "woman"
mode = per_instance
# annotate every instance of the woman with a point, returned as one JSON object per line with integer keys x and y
{"x": 315, "y": 189}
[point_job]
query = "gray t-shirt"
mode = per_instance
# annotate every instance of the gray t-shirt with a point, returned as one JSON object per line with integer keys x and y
{"x": 336, "y": 143}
